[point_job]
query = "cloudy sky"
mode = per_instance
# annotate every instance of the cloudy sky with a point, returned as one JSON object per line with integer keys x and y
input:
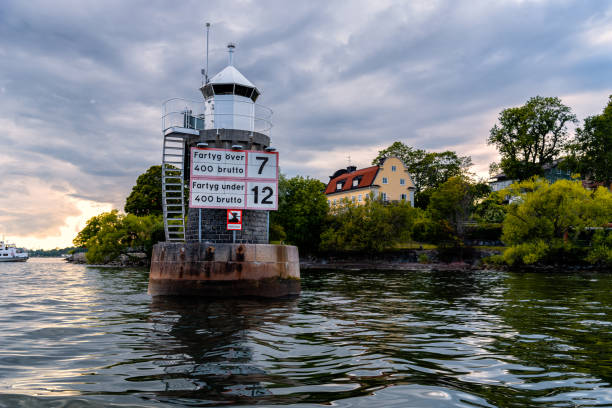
{"x": 82, "y": 82}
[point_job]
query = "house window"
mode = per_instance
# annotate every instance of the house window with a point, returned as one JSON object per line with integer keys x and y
{"x": 404, "y": 197}
{"x": 359, "y": 197}
{"x": 384, "y": 196}
{"x": 402, "y": 182}
{"x": 334, "y": 201}
{"x": 393, "y": 168}
{"x": 353, "y": 198}
{"x": 355, "y": 182}
{"x": 385, "y": 181}
{"x": 339, "y": 186}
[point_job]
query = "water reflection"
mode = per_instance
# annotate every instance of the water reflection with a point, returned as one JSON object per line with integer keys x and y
{"x": 433, "y": 339}
{"x": 562, "y": 324}
{"x": 207, "y": 351}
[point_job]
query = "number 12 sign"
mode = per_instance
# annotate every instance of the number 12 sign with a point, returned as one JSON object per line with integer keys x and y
{"x": 240, "y": 179}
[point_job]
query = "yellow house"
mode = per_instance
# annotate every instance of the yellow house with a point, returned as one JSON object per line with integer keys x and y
{"x": 389, "y": 180}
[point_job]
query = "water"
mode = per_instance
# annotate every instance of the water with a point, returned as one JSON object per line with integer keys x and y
{"x": 75, "y": 336}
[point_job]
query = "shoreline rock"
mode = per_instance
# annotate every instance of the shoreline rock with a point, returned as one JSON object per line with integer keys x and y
{"x": 389, "y": 266}
{"x": 126, "y": 260}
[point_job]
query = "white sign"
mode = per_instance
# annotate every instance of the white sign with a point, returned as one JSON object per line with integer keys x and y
{"x": 262, "y": 165}
{"x": 218, "y": 163}
{"x": 240, "y": 179}
{"x": 262, "y": 195}
{"x": 216, "y": 193}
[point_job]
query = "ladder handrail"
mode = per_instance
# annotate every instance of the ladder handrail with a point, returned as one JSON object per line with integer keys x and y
{"x": 173, "y": 174}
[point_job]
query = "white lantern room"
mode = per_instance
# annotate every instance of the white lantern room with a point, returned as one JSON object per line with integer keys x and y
{"x": 230, "y": 99}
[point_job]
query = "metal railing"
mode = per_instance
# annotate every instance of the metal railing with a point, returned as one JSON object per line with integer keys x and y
{"x": 190, "y": 114}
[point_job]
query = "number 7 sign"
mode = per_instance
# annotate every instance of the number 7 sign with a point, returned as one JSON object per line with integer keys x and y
{"x": 262, "y": 165}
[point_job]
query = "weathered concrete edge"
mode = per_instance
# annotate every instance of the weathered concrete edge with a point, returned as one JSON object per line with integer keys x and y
{"x": 224, "y": 270}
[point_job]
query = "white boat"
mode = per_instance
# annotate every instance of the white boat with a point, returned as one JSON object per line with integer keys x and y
{"x": 10, "y": 253}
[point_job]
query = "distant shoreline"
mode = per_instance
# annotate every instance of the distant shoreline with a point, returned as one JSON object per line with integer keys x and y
{"x": 389, "y": 266}
{"x": 445, "y": 267}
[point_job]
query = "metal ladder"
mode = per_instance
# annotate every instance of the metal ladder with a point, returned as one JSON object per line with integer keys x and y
{"x": 173, "y": 186}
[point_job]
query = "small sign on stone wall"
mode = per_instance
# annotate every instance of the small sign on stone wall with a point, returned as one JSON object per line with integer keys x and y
{"x": 234, "y": 220}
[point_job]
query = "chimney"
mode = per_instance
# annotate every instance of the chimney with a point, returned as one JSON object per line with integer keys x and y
{"x": 351, "y": 169}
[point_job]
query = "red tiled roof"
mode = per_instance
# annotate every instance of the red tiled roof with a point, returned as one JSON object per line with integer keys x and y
{"x": 367, "y": 178}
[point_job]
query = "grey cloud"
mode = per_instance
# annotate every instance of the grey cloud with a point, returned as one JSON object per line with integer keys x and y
{"x": 337, "y": 74}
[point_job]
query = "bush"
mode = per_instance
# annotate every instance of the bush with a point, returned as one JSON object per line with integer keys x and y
{"x": 546, "y": 221}
{"x": 525, "y": 254}
{"x": 484, "y": 232}
{"x": 601, "y": 248}
{"x": 277, "y": 233}
{"x": 302, "y": 209}
{"x": 371, "y": 227}
{"x": 115, "y": 233}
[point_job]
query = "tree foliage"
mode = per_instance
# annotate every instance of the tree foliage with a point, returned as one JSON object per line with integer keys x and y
{"x": 146, "y": 195}
{"x": 546, "y": 221}
{"x": 427, "y": 169}
{"x": 115, "y": 233}
{"x": 302, "y": 208}
{"x": 370, "y": 227}
{"x": 453, "y": 203}
{"x": 591, "y": 153}
{"x": 531, "y": 136}
{"x": 93, "y": 226}
{"x": 491, "y": 209}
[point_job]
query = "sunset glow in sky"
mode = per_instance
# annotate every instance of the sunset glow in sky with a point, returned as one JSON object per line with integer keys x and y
{"x": 81, "y": 86}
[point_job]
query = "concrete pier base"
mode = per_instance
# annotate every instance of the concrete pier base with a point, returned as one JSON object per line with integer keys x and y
{"x": 213, "y": 270}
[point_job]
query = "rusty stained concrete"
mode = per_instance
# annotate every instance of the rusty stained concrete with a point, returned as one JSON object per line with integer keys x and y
{"x": 224, "y": 270}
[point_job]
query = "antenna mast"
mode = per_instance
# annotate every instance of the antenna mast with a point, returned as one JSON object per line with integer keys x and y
{"x": 207, "y": 35}
{"x": 230, "y": 48}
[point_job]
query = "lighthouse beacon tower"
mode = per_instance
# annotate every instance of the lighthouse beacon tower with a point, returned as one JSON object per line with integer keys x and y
{"x": 220, "y": 150}
{"x": 232, "y": 120}
{"x": 230, "y": 99}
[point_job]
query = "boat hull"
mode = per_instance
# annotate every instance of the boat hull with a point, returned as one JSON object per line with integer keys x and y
{"x": 13, "y": 259}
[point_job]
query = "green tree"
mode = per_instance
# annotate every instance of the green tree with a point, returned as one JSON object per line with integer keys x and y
{"x": 531, "y": 136}
{"x": 427, "y": 169}
{"x": 491, "y": 209}
{"x": 370, "y": 227}
{"x": 591, "y": 153}
{"x": 453, "y": 203}
{"x": 106, "y": 244}
{"x": 117, "y": 232}
{"x": 93, "y": 226}
{"x": 146, "y": 195}
{"x": 302, "y": 209}
{"x": 546, "y": 221}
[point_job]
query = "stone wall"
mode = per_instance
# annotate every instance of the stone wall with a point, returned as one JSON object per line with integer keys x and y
{"x": 214, "y": 227}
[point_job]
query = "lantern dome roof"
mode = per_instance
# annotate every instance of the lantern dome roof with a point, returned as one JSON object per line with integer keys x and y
{"x": 230, "y": 75}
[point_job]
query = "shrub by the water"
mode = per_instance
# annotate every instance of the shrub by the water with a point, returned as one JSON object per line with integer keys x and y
{"x": 302, "y": 208}
{"x": 371, "y": 227}
{"x": 547, "y": 222}
{"x": 108, "y": 235}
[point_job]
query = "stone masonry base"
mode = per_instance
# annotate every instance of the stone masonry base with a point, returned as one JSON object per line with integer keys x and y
{"x": 213, "y": 270}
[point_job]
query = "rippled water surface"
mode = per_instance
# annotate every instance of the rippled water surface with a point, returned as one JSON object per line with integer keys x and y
{"x": 78, "y": 336}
